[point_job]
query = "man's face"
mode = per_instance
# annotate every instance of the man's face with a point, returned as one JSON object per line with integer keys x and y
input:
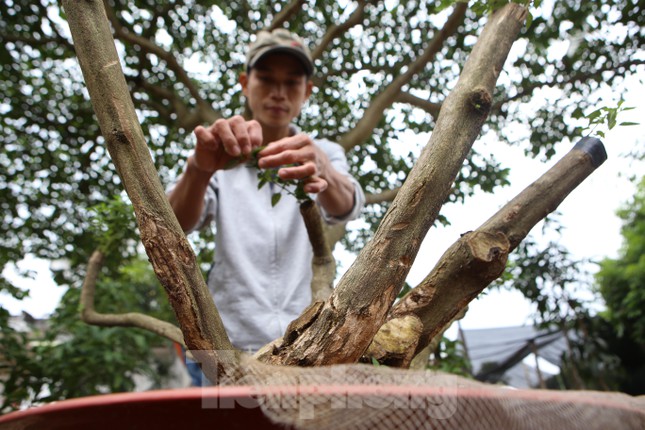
{"x": 276, "y": 89}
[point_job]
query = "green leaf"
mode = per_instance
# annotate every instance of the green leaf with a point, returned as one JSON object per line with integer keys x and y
{"x": 275, "y": 198}
{"x": 595, "y": 114}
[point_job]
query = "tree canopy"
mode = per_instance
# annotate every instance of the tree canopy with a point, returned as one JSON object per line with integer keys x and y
{"x": 181, "y": 61}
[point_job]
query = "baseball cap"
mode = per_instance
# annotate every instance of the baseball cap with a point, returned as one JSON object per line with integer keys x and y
{"x": 279, "y": 40}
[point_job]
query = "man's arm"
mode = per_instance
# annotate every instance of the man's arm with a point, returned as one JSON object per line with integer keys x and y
{"x": 335, "y": 191}
{"x": 217, "y": 146}
{"x": 187, "y": 197}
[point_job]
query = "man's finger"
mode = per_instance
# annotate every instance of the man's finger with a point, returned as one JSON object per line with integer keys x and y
{"x": 255, "y": 133}
{"x": 315, "y": 185}
{"x": 205, "y": 138}
{"x": 222, "y": 129}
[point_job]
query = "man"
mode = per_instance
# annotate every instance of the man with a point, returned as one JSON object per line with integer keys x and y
{"x": 261, "y": 276}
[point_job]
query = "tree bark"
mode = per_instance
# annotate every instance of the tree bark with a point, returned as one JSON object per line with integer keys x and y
{"x": 323, "y": 264}
{"x": 479, "y": 257}
{"x": 362, "y": 299}
{"x": 168, "y": 250}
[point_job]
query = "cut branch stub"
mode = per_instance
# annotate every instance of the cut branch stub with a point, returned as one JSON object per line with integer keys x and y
{"x": 463, "y": 271}
{"x": 479, "y": 257}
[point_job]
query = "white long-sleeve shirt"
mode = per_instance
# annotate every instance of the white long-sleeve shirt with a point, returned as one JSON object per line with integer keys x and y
{"x": 260, "y": 279}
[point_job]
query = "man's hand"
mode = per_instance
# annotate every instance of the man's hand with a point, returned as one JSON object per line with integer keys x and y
{"x": 226, "y": 140}
{"x": 311, "y": 163}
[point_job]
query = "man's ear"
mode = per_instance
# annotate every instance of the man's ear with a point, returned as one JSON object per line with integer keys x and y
{"x": 244, "y": 81}
{"x": 309, "y": 89}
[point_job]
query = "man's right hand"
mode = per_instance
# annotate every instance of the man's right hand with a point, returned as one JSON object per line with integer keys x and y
{"x": 226, "y": 140}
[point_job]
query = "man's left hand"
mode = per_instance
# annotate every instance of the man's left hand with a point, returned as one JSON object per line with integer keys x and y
{"x": 304, "y": 161}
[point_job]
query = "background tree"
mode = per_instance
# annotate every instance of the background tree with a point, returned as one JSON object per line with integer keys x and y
{"x": 54, "y": 161}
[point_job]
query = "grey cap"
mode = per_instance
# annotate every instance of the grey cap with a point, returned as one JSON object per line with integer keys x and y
{"x": 279, "y": 40}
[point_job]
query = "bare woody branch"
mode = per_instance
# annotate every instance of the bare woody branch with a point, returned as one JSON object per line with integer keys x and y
{"x": 323, "y": 262}
{"x": 479, "y": 257}
{"x": 337, "y": 30}
{"x": 131, "y": 319}
{"x": 385, "y": 196}
{"x": 384, "y": 100}
{"x": 285, "y": 14}
{"x": 168, "y": 250}
{"x": 147, "y": 45}
{"x": 428, "y": 106}
{"x": 361, "y": 300}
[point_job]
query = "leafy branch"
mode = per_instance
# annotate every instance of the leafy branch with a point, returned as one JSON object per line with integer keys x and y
{"x": 293, "y": 187}
{"x": 604, "y": 116}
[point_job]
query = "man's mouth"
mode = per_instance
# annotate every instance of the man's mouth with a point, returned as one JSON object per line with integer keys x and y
{"x": 277, "y": 109}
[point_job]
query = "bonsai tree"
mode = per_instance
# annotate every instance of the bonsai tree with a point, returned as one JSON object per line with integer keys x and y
{"x": 361, "y": 312}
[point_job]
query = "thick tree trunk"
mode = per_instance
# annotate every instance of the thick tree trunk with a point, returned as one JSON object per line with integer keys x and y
{"x": 168, "y": 250}
{"x": 348, "y": 321}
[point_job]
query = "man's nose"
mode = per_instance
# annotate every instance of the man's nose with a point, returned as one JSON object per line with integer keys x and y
{"x": 278, "y": 90}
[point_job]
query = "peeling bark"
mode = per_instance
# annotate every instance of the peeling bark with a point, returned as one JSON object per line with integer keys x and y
{"x": 463, "y": 271}
{"x": 168, "y": 250}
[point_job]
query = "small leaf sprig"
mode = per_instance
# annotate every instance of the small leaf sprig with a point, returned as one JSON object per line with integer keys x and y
{"x": 270, "y": 176}
{"x": 604, "y": 116}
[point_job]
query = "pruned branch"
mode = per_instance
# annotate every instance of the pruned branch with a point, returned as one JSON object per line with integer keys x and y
{"x": 323, "y": 263}
{"x": 131, "y": 319}
{"x": 361, "y": 300}
{"x": 479, "y": 257}
{"x": 389, "y": 95}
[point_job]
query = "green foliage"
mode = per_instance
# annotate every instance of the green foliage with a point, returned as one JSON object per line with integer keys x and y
{"x": 54, "y": 164}
{"x": 72, "y": 359}
{"x": 550, "y": 279}
{"x": 621, "y": 281}
{"x": 270, "y": 176}
{"x": 604, "y": 116}
{"x": 449, "y": 357}
{"x": 114, "y": 227}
